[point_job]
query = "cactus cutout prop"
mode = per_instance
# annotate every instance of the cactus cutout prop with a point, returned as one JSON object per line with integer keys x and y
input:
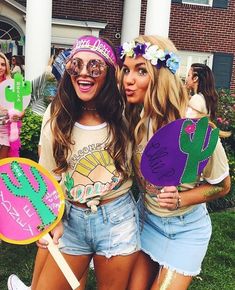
{"x": 31, "y": 201}
{"x": 19, "y": 92}
{"x": 15, "y": 96}
{"x": 15, "y": 93}
{"x": 178, "y": 152}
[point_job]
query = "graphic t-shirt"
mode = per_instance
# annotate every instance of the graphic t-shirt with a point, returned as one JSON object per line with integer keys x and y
{"x": 91, "y": 176}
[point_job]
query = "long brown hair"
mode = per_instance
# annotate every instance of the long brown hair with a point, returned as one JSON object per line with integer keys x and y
{"x": 206, "y": 86}
{"x": 66, "y": 109}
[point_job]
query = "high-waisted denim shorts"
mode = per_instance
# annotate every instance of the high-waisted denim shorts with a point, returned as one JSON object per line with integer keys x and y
{"x": 112, "y": 230}
{"x": 178, "y": 243}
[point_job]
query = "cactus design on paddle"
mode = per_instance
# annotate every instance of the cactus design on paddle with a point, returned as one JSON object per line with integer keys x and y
{"x": 192, "y": 142}
{"x": 25, "y": 189}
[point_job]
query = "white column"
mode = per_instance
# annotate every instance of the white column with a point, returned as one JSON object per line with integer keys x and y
{"x": 131, "y": 20}
{"x": 37, "y": 37}
{"x": 158, "y": 17}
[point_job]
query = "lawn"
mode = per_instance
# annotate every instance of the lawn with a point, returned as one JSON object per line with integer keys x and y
{"x": 218, "y": 269}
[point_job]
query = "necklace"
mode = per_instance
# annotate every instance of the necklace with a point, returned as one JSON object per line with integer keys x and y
{"x": 88, "y": 109}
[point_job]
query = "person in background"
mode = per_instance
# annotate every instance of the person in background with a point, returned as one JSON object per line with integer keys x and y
{"x": 17, "y": 65}
{"x": 175, "y": 225}
{"x": 58, "y": 65}
{"x": 203, "y": 95}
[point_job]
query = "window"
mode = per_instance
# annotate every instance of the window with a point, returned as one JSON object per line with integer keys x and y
{"x": 11, "y": 42}
{"x": 223, "y": 4}
{"x": 222, "y": 69}
{"x": 189, "y": 57}
{"x": 199, "y": 2}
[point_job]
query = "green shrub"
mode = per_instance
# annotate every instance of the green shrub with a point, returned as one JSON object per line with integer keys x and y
{"x": 226, "y": 117}
{"x": 30, "y": 133}
{"x": 226, "y": 122}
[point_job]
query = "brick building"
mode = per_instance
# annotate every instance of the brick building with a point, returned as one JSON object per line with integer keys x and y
{"x": 208, "y": 34}
{"x": 202, "y": 30}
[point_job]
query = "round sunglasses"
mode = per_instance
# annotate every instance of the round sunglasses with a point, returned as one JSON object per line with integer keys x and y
{"x": 94, "y": 67}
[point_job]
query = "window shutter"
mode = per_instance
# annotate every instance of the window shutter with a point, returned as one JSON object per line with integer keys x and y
{"x": 222, "y": 69}
{"x": 220, "y": 3}
{"x": 176, "y": 1}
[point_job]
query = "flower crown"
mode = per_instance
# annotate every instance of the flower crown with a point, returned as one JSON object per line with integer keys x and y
{"x": 157, "y": 56}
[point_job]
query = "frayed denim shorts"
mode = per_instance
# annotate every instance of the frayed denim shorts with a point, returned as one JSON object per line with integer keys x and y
{"x": 112, "y": 230}
{"x": 178, "y": 243}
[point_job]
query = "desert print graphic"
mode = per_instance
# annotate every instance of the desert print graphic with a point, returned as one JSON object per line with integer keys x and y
{"x": 94, "y": 174}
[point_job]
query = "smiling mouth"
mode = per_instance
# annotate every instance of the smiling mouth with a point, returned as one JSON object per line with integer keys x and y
{"x": 85, "y": 85}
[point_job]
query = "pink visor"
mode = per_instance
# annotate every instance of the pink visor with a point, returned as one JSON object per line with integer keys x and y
{"x": 96, "y": 45}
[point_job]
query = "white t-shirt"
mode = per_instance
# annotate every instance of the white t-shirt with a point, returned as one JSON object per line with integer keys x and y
{"x": 197, "y": 106}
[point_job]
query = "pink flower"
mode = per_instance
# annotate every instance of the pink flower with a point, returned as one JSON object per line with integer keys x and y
{"x": 220, "y": 120}
{"x": 190, "y": 128}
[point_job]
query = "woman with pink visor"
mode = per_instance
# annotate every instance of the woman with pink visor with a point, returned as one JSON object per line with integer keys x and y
{"x": 85, "y": 144}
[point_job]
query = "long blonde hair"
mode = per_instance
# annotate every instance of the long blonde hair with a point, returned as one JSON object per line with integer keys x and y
{"x": 166, "y": 98}
{"x": 8, "y": 71}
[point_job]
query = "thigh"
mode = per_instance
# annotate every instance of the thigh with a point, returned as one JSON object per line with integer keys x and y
{"x": 51, "y": 277}
{"x": 40, "y": 260}
{"x": 170, "y": 280}
{"x": 113, "y": 273}
{"x": 39, "y": 263}
{"x": 143, "y": 273}
{"x": 4, "y": 150}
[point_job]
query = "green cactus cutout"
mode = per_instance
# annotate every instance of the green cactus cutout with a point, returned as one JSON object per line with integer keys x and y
{"x": 21, "y": 89}
{"x": 26, "y": 190}
{"x": 193, "y": 147}
{"x": 69, "y": 184}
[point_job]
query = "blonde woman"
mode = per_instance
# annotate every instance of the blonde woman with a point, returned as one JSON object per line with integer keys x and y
{"x": 175, "y": 225}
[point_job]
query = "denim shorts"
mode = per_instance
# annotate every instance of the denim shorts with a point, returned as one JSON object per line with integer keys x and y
{"x": 178, "y": 243}
{"x": 112, "y": 230}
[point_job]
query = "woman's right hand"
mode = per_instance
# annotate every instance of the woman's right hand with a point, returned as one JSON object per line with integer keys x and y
{"x": 56, "y": 234}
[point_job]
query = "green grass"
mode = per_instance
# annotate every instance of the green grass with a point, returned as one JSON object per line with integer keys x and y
{"x": 218, "y": 270}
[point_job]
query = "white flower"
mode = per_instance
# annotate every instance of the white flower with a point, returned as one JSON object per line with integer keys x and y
{"x": 160, "y": 54}
{"x": 128, "y": 48}
{"x": 153, "y": 53}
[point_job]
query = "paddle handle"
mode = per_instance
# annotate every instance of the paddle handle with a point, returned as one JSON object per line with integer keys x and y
{"x": 61, "y": 262}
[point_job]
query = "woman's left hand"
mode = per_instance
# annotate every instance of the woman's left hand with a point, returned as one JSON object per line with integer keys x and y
{"x": 168, "y": 197}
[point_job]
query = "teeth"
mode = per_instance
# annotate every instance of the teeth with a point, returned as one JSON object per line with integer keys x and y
{"x": 85, "y": 83}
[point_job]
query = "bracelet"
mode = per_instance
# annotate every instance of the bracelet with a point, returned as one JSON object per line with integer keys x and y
{"x": 178, "y": 204}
